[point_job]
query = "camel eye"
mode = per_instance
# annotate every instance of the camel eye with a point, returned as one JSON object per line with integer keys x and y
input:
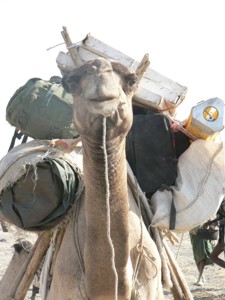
{"x": 131, "y": 80}
{"x": 76, "y": 79}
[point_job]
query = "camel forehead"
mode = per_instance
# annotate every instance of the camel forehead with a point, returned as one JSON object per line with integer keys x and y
{"x": 104, "y": 65}
{"x": 100, "y": 64}
{"x": 101, "y": 72}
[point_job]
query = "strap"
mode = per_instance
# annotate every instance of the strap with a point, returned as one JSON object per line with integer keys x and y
{"x": 17, "y": 135}
{"x": 50, "y": 93}
{"x": 173, "y": 210}
{"x": 223, "y": 239}
{"x": 172, "y": 214}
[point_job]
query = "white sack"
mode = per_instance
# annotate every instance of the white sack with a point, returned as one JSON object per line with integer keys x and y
{"x": 198, "y": 190}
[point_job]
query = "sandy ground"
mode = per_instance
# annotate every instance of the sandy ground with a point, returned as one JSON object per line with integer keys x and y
{"x": 214, "y": 287}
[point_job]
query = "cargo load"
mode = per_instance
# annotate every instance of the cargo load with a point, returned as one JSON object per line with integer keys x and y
{"x": 155, "y": 90}
{"x": 42, "y": 109}
{"x": 39, "y": 183}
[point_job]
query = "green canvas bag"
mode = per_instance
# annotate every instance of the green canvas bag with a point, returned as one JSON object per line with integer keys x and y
{"x": 42, "y": 109}
{"x": 42, "y": 196}
{"x": 39, "y": 183}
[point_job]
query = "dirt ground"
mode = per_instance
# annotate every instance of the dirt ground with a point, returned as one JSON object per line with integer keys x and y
{"x": 214, "y": 287}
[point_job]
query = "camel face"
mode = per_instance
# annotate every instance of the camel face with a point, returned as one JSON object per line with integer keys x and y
{"x": 102, "y": 88}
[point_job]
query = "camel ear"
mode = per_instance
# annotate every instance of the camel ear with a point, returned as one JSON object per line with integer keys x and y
{"x": 65, "y": 83}
{"x": 70, "y": 82}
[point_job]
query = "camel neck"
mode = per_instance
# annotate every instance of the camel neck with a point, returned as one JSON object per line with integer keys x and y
{"x": 106, "y": 180}
{"x": 99, "y": 159}
{"x": 105, "y": 172}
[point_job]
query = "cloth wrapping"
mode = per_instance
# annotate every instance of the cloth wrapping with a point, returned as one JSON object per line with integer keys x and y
{"x": 198, "y": 190}
{"x": 202, "y": 248}
{"x": 38, "y": 184}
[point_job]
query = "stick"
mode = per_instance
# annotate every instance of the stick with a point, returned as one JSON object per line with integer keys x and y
{"x": 57, "y": 247}
{"x": 178, "y": 273}
{"x": 72, "y": 50}
{"x": 176, "y": 290}
{"x": 180, "y": 278}
{"x": 23, "y": 280}
{"x": 178, "y": 251}
{"x": 171, "y": 236}
{"x": 165, "y": 271}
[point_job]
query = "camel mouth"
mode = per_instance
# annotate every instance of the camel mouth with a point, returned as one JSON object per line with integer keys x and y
{"x": 104, "y": 106}
{"x": 101, "y": 99}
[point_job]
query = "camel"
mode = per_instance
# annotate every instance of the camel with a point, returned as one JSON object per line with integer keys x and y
{"x": 21, "y": 252}
{"x": 106, "y": 252}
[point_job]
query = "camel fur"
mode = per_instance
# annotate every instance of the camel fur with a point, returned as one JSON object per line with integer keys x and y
{"x": 107, "y": 252}
{"x": 20, "y": 254}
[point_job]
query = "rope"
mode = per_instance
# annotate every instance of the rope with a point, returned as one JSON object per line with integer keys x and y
{"x": 139, "y": 246}
{"x": 179, "y": 126}
{"x": 108, "y": 208}
{"x": 76, "y": 211}
{"x": 178, "y": 251}
{"x": 143, "y": 252}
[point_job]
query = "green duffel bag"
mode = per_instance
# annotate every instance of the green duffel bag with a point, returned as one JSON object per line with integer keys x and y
{"x": 42, "y": 196}
{"x": 42, "y": 109}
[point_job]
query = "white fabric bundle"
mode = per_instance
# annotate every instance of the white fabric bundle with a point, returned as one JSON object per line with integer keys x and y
{"x": 198, "y": 190}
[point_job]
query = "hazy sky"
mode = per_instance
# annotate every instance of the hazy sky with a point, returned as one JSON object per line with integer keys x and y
{"x": 184, "y": 39}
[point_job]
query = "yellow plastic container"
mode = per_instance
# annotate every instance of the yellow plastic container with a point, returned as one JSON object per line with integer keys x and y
{"x": 206, "y": 119}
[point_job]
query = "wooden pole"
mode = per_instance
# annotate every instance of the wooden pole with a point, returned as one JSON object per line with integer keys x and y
{"x": 171, "y": 236}
{"x": 165, "y": 271}
{"x": 24, "y": 279}
{"x": 72, "y": 50}
{"x": 178, "y": 273}
{"x": 175, "y": 289}
{"x": 57, "y": 247}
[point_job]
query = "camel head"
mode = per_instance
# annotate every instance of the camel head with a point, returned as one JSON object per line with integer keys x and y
{"x": 102, "y": 88}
